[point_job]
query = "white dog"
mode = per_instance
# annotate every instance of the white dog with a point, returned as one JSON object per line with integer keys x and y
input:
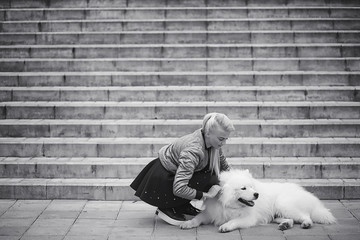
{"x": 283, "y": 203}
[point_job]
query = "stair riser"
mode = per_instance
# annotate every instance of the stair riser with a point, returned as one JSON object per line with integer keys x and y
{"x": 183, "y": 38}
{"x": 162, "y": 112}
{"x": 180, "y": 95}
{"x": 97, "y": 130}
{"x": 127, "y": 171}
{"x": 183, "y": 65}
{"x": 150, "y": 150}
{"x": 169, "y": 3}
{"x": 115, "y": 193}
{"x": 184, "y": 80}
{"x": 175, "y": 14}
{"x": 182, "y": 52}
{"x": 199, "y": 25}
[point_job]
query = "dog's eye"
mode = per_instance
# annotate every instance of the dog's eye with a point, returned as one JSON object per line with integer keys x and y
{"x": 243, "y": 188}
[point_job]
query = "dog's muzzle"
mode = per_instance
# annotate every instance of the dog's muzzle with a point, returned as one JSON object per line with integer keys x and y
{"x": 249, "y": 203}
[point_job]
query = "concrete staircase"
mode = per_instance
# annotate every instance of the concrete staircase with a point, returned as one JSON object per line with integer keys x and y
{"x": 91, "y": 89}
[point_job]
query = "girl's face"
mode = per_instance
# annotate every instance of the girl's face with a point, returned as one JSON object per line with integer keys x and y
{"x": 217, "y": 138}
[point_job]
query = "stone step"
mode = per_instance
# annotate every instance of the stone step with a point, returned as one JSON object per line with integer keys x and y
{"x": 149, "y": 147}
{"x": 122, "y": 168}
{"x": 118, "y": 189}
{"x": 177, "y": 13}
{"x": 182, "y": 93}
{"x": 179, "y": 64}
{"x": 181, "y": 37}
{"x": 181, "y": 51}
{"x": 110, "y": 25}
{"x": 243, "y": 78}
{"x": 184, "y": 110}
{"x": 175, "y": 128}
{"x": 170, "y": 3}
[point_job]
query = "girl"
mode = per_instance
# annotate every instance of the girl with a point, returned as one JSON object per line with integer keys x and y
{"x": 186, "y": 169}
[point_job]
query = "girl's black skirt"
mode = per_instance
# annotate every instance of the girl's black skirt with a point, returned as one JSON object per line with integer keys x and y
{"x": 154, "y": 185}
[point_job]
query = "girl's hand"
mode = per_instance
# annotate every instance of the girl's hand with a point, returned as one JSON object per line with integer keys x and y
{"x": 213, "y": 191}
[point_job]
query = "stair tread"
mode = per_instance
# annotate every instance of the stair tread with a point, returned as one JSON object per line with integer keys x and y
{"x": 186, "y": 31}
{"x": 143, "y": 160}
{"x": 178, "y": 88}
{"x": 126, "y": 182}
{"x": 176, "y": 122}
{"x": 188, "y": 20}
{"x": 166, "y": 140}
{"x": 182, "y": 73}
{"x": 174, "y": 59}
{"x": 182, "y": 8}
{"x": 217, "y": 45}
{"x": 177, "y": 103}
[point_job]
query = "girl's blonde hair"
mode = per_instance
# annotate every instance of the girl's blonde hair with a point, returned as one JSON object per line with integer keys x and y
{"x": 212, "y": 121}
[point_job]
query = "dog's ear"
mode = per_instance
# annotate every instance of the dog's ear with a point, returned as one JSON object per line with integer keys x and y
{"x": 248, "y": 172}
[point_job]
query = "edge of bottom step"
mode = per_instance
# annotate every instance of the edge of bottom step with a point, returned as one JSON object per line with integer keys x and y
{"x": 119, "y": 189}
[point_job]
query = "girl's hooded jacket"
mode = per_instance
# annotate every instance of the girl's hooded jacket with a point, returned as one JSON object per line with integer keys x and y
{"x": 185, "y": 156}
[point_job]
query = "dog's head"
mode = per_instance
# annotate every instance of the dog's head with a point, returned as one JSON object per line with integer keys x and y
{"x": 237, "y": 189}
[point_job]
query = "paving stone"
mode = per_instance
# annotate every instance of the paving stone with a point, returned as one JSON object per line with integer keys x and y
{"x": 11, "y": 222}
{"x": 351, "y": 204}
{"x": 343, "y": 226}
{"x": 308, "y": 237}
{"x": 105, "y": 237}
{"x": 129, "y": 206}
{"x": 344, "y": 236}
{"x": 103, "y": 205}
{"x": 60, "y": 222}
{"x": 9, "y": 237}
{"x": 333, "y": 205}
{"x": 13, "y": 230}
{"x": 59, "y": 215}
{"x": 45, "y": 237}
{"x": 267, "y": 230}
{"x": 5, "y": 205}
{"x": 113, "y": 237}
{"x": 66, "y": 205}
{"x": 316, "y": 230}
{"x": 88, "y": 230}
{"x": 131, "y": 232}
{"x": 136, "y": 222}
{"x": 103, "y": 214}
{"x": 341, "y": 213}
{"x": 175, "y": 237}
{"x": 125, "y": 215}
{"x": 259, "y": 237}
{"x": 21, "y": 214}
{"x": 46, "y": 231}
{"x": 30, "y": 205}
{"x": 164, "y": 229}
{"x": 212, "y": 230}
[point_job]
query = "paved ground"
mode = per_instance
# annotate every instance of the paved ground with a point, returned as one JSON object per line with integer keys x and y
{"x": 99, "y": 220}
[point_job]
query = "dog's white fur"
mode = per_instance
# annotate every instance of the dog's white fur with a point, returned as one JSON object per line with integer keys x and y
{"x": 283, "y": 203}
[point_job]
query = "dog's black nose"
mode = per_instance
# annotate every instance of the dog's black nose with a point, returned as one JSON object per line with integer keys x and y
{"x": 256, "y": 195}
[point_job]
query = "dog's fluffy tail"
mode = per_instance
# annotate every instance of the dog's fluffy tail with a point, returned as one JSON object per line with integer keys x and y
{"x": 322, "y": 215}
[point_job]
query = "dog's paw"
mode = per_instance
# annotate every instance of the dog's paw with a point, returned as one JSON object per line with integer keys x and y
{"x": 284, "y": 226}
{"x": 225, "y": 228}
{"x": 306, "y": 224}
{"x": 187, "y": 225}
